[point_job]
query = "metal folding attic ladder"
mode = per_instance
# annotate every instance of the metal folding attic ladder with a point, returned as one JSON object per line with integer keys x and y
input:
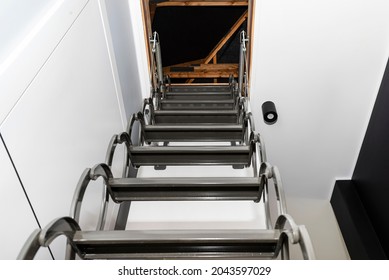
{"x": 205, "y": 114}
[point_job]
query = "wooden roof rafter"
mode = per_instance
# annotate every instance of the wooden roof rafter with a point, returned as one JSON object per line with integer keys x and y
{"x": 207, "y": 67}
{"x": 176, "y": 3}
{"x": 206, "y": 71}
{"x": 219, "y": 45}
{"x": 225, "y": 39}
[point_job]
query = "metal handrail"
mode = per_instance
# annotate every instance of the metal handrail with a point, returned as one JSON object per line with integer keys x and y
{"x": 267, "y": 172}
{"x": 297, "y": 234}
{"x": 156, "y": 65}
{"x": 243, "y": 65}
{"x": 67, "y": 226}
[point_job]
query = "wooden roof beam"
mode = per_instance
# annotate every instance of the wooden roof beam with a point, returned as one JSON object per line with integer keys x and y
{"x": 207, "y": 71}
{"x": 225, "y": 39}
{"x": 175, "y": 3}
{"x": 184, "y": 64}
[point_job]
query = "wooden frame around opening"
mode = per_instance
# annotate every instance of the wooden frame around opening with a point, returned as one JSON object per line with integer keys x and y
{"x": 145, "y": 4}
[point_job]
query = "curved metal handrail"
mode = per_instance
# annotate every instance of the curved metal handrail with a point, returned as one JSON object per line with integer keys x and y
{"x": 66, "y": 226}
{"x": 272, "y": 172}
{"x": 306, "y": 244}
{"x": 294, "y": 234}
{"x": 78, "y": 196}
{"x": 140, "y": 118}
{"x": 262, "y": 147}
{"x": 279, "y": 190}
{"x": 62, "y": 226}
{"x": 148, "y": 102}
{"x": 115, "y": 140}
{"x": 297, "y": 234}
{"x": 99, "y": 170}
{"x": 267, "y": 172}
{"x": 30, "y": 247}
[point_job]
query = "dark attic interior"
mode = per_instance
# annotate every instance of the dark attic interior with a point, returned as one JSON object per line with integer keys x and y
{"x": 199, "y": 38}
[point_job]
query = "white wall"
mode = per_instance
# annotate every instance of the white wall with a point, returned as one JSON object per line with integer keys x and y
{"x": 122, "y": 34}
{"x": 140, "y": 47}
{"x": 17, "y": 19}
{"x": 60, "y": 105}
{"x": 17, "y": 218}
{"x": 321, "y": 62}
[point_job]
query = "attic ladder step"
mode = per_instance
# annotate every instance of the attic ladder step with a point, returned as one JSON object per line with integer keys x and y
{"x": 193, "y": 133}
{"x": 196, "y": 116}
{"x": 198, "y": 95}
{"x": 199, "y": 88}
{"x": 187, "y": 188}
{"x": 190, "y": 155}
{"x": 177, "y": 244}
{"x": 167, "y": 104}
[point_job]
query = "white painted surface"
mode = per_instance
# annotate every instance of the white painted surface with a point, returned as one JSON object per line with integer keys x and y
{"x": 140, "y": 47}
{"x": 318, "y": 217}
{"x": 17, "y": 220}
{"x": 123, "y": 42}
{"x": 19, "y": 68}
{"x": 17, "y": 17}
{"x": 196, "y": 214}
{"x": 65, "y": 119}
{"x": 321, "y": 63}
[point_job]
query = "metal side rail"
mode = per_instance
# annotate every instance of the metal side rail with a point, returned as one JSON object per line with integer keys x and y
{"x": 168, "y": 244}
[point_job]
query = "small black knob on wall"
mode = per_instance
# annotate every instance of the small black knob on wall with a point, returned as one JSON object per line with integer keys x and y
{"x": 269, "y": 112}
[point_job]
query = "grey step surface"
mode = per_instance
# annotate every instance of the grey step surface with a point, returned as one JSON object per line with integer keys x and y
{"x": 177, "y": 244}
{"x": 190, "y": 155}
{"x": 196, "y": 116}
{"x": 199, "y": 95}
{"x": 186, "y": 188}
{"x": 193, "y": 133}
{"x": 167, "y": 104}
{"x": 199, "y": 88}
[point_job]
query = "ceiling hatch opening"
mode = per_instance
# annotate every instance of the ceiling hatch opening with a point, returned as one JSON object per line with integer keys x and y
{"x": 199, "y": 40}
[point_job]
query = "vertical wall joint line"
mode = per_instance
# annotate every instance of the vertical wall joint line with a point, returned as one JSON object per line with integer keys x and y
{"x": 22, "y": 185}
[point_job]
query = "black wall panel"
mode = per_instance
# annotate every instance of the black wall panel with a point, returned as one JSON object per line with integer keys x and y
{"x": 371, "y": 174}
{"x": 361, "y": 205}
{"x": 358, "y": 232}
